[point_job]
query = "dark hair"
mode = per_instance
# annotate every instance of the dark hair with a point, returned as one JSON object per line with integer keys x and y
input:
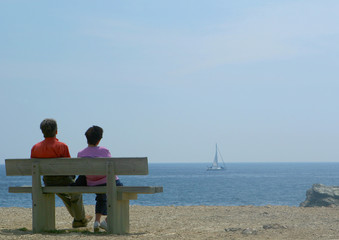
{"x": 94, "y": 134}
{"x": 49, "y": 127}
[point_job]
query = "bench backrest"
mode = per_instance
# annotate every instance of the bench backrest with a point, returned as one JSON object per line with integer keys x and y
{"x": 77, "y": 166}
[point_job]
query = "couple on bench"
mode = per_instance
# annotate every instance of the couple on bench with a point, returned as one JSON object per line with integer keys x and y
{"x": 50, "y": 147}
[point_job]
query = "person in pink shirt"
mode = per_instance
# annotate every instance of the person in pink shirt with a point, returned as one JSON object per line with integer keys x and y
{"x": 94, "y": 135}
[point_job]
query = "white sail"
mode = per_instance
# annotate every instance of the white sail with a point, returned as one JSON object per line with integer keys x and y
{"x": 215, "y": 164}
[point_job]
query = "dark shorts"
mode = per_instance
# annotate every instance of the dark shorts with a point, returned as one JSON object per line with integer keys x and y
{"x": 101, "y": 200}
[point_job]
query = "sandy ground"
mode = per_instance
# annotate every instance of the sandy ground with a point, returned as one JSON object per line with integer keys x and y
{"x": 193, "y": 222}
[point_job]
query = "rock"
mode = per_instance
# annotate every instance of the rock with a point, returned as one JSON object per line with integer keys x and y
{"x": 249, "y": 231}
{"x": 321, "y": 196}
{"x": 233, "y": 229}
{"x": 246, "y": 231}
{"x": 274, "y": 226}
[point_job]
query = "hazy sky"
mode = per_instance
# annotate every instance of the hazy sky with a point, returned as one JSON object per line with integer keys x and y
{"x": 170, "y": 79}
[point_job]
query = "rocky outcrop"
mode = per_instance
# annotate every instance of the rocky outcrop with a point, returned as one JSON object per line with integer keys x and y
{"x": 321, "y": 196}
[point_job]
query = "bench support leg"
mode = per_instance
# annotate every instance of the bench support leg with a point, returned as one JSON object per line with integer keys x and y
{"x": 44, "y": 213}
{"x": 123, "y": 208}
{"x": 112, "y": 209}
{"x": 43, "y": 204}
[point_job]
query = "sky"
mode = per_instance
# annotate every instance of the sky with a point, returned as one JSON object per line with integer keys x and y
{"x": 168, "y": 80}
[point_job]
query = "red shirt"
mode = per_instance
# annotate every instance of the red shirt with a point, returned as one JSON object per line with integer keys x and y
{"x": 50, "y": 148}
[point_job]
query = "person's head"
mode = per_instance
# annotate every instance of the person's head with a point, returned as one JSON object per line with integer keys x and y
{"x": 49, "y": 127}
{"x": 94, "y": 135}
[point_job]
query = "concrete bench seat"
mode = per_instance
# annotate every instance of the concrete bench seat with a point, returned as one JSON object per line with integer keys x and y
{"x": 43, "y": 197}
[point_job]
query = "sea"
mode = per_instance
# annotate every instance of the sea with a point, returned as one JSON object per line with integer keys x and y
{"x": 188, "y": 184}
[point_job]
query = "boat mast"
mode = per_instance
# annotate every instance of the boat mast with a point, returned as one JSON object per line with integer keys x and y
{"x": 215, "y": 162}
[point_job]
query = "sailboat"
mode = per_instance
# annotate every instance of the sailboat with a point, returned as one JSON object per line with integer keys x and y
{"x": 215, "y": 166}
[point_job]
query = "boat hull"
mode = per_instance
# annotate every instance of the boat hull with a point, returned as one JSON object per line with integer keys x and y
{"x": 215, "y": 169}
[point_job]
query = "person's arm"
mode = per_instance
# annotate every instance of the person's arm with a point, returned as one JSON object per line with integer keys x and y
{"x": 65, "y": 152}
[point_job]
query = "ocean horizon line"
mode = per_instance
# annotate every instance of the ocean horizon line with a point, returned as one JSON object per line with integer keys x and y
{"x": 241, "y": 162}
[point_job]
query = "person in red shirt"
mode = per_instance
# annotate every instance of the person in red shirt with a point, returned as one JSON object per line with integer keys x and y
{"x": 52, "y": 148}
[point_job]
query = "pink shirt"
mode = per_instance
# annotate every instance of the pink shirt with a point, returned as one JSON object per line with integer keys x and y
{"x": 95, "y": 152}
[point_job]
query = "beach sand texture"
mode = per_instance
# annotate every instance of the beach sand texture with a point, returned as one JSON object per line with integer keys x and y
{"x": 190, "y": 222}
